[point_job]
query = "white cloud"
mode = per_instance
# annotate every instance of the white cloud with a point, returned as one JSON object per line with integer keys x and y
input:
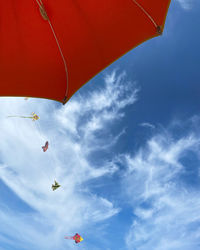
{"x": 72, "y": 134}
{"x": 187, "y": 4}
{"x": 147, "y": 124}
{"x": 165, "y": 202}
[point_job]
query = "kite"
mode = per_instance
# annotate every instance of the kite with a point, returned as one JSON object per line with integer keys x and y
{"x": 77, "y": 238}
{"x": 45, "y": 147}
{"x": 34, "y": 117}
{"x": 53, "y": 48}
{"x": 55, "y": 186}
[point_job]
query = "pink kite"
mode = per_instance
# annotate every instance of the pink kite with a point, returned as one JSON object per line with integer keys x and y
{"x": 45, "y": 147}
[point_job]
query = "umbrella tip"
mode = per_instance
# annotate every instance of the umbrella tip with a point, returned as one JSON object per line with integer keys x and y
{"x": 159, "y": 30}
{"x": 64, "y": 100}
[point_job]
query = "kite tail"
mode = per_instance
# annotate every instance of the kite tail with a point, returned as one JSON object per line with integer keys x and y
{"x": 69, "y": 237}
{"x": 20, "y": 116}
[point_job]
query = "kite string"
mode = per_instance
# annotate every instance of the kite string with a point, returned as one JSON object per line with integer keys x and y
{"x": 38, "y": 129}
{"x": 51, "y": 144}
{"x": 1, "y": 167}
{"x": 41, "y": 6}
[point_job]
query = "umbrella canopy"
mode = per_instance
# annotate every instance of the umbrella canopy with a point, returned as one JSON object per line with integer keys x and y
{"x": 49, "y": 48}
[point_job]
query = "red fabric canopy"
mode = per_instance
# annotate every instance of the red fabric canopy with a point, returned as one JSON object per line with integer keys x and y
{"x": 86, "y": 35}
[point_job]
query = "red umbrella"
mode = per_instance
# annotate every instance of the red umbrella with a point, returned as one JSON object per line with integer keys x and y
{"x": 49, "y": 48}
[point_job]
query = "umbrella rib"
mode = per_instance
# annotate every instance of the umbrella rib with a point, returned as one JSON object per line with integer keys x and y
{"x": 63, "y": 58}
{"x": 39, "y": 2}
{"x": 45, "y": 16}
{"x": 158, "y": 28}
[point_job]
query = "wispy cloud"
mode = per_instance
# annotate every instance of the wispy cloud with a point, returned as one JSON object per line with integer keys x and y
{"x": 165, "y": 201}
{"x": 74, "y": 131}
{"x": 147, "y": 125}
{"x": 187, "y": 4}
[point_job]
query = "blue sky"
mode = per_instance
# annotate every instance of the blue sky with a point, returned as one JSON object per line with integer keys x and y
{"x": 125, "y": 150}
